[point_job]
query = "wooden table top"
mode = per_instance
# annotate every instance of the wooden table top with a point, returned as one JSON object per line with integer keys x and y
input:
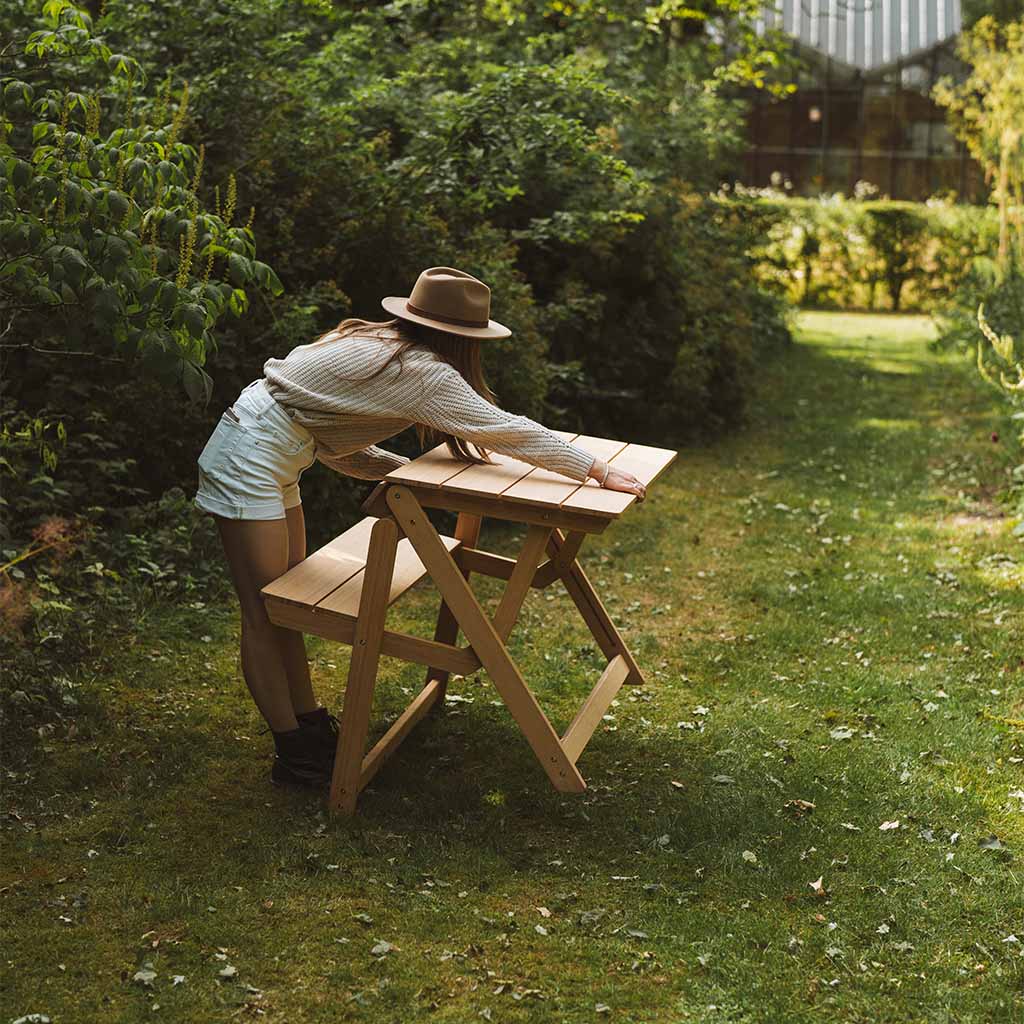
{"x": 511, "y": 480}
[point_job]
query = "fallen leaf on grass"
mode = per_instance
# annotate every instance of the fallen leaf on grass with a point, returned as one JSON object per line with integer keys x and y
{"x": 146, "y": 976}
{"x": 888, "y": 826}
{"x": 800, "y": 806}
{"x": 382, "y": 948}
{"x": 841, "y": 733}
{"x": 992, "y": 843}
{"x": 725, "y": 780}
{"x": 228, "y": 971}
{"x": 749, "y": 856}
{"x": 819, "y": 889}
{"x": 543, "y": 911}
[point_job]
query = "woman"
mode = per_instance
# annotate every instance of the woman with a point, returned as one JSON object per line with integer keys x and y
{"x": 333, "y": 400}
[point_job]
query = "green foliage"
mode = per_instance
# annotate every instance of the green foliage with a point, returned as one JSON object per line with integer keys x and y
{"x": 103, "y": 244}
{"x": 559, "y": 152}
{"x": 839, "y": 253}
{"x": 986, "y": 110}
{"x": 1000, "y": 10}
{"x": 993, "y": 303}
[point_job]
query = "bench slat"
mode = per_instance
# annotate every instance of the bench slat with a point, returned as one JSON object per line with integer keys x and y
{"x": 326, "y": 569}
{"x": 408, "y": 570}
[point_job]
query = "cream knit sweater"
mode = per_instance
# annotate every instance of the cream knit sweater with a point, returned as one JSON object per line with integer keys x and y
{"x": 347, "y": 418}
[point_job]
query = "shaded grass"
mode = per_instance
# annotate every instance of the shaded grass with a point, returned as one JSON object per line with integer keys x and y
{"x": 839, "y": 569}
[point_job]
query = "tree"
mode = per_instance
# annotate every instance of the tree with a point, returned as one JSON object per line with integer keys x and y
{"x": 987, "y": 112}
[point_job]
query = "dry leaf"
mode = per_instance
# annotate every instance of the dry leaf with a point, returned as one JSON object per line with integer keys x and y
{"x": 991, "y": 843}
{"x": 800, "y": 806}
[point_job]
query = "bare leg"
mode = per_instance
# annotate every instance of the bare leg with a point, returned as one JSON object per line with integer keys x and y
{"x": 293, "y": 647}
{"x": 257, "y": 552}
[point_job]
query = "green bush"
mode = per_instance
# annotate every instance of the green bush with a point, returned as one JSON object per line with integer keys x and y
{"x": 560, "y": 155}
{"x": 837, "y": 253}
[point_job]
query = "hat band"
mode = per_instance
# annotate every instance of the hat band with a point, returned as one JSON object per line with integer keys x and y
{"x": 447, "y": 319}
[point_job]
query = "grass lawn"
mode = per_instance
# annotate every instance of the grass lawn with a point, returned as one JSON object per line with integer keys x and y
{"x": 829, "y": 607}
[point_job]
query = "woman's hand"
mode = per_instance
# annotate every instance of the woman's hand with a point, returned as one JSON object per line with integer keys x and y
{"x": 617, "y": 479}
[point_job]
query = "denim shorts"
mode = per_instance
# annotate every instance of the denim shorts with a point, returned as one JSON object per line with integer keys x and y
{"x": 251, "y": 465}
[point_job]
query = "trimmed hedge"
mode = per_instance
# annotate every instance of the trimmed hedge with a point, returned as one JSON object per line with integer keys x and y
{"x": 837, "y": 253}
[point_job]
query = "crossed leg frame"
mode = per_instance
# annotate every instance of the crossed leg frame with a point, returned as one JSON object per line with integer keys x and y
{"x": 450, "y": 572}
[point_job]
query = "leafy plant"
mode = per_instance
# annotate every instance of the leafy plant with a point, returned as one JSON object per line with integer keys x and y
{"x": 986, "y": 111}
{"x": 105, "y": 250}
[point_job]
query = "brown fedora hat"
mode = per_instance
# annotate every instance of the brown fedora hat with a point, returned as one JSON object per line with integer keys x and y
{"x": 450, "y": 300}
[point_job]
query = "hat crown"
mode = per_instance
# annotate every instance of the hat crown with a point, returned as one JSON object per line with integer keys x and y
{"x": 451, "y": 295}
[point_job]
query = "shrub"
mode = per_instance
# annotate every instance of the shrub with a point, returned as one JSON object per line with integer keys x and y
{"x": 838, "y": 253}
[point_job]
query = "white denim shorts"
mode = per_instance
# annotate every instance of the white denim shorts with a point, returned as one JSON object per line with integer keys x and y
{"x": 251, "y": 465}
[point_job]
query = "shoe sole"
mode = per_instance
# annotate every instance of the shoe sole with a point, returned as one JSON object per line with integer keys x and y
{"x": 299, "y": 783}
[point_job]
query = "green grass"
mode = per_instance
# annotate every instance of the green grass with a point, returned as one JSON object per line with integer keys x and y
{"x": 828, "y": 601}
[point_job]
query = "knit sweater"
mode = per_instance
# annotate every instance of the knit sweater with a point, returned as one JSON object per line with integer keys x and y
{"x": 348, "y": 417}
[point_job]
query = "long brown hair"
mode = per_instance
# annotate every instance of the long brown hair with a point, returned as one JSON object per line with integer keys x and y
{"x": 461, "y": 352}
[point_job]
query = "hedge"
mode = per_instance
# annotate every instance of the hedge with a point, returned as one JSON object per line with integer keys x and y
{"x": 878, "y": 254}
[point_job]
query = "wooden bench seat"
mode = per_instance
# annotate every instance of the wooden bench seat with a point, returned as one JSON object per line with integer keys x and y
{"x": 327, "y": 585}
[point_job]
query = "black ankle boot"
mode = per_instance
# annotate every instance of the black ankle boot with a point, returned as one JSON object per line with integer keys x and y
{"x": 321, "y": 722}
{"x": 299, "y": 760}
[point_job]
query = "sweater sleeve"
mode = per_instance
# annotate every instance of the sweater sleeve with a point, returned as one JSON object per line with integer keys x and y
{"x": 371, "y": 463}
{"x": 455, "y": 408}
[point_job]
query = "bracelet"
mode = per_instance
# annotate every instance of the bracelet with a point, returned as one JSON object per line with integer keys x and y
{"x": 607, "y": 470}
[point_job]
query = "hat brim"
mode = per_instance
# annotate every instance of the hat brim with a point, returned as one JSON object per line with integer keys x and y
{"x": 395, "y": 305}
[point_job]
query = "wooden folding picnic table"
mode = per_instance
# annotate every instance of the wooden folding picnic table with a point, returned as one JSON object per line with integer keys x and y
{"x": 342, "y": 592}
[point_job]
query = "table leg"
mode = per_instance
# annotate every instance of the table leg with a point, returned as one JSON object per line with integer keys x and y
{"x": 519, "y": 582}
{"x": 486, "y": 642}
{"x": 362, "y": 672}
{"x": 562, "y": 552}
{"x": 467, "y": 530}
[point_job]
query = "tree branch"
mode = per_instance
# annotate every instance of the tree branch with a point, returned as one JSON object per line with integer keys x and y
{"x": 59, "y": 351}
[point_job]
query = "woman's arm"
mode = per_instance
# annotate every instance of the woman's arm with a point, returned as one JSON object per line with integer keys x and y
{"x": 453, "y": 407}
{"x": 371, "y": 463}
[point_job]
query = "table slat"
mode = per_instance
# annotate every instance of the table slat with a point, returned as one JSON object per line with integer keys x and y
{"x": 431, "y": 469}
{"x": 489, "y": 481}
{"x": 544, "y": 487}
{"x": 643, "y": 461}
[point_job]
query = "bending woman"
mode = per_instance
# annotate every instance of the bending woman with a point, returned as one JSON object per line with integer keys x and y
{"x": 333, "y": 400}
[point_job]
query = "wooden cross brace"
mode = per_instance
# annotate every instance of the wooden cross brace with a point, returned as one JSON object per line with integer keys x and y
{"x": 450, "y": 571}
